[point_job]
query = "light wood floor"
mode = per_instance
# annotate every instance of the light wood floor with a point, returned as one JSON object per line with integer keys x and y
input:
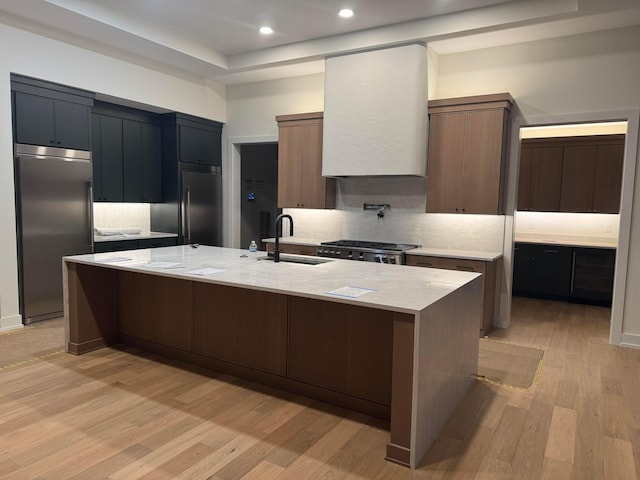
{"x": 119, "y": 414}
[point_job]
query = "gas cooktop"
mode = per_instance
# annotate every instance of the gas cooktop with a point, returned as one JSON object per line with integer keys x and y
{"x": 363, "y": 250}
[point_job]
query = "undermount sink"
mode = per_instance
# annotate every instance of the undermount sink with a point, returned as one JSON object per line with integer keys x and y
{"x": 298, "y": 259}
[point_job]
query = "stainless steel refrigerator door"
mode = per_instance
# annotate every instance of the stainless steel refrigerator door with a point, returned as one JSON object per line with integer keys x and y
{"x": 201, "y": 208}
{"x": 55, "y": 216}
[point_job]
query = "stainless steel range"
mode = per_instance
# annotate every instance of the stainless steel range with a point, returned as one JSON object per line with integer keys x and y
{"x": 380, "y": 252}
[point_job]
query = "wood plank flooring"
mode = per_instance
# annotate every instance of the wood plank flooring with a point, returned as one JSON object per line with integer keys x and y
{"x": 122, "y": 414}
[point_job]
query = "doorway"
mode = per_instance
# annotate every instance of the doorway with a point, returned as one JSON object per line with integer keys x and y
{"x": 567, "y": 212}
{"x": 258, "y": 192}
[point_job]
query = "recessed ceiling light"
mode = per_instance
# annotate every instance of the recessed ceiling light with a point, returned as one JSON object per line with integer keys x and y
{"x": 266, "y": 30}
{"x": 346, "y": 13}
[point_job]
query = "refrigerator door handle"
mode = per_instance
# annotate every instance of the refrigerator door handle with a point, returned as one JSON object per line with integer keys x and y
{"x": 90, "y": 213}
{"x": 188, "y": 214}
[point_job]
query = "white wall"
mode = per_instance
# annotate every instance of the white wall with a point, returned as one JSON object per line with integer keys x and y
{"x": 597, "y": 72}
{"x": 29, "y": 54}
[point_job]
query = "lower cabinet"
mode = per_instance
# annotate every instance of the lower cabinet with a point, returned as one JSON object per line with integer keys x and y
{"x": 592, "y": 275}
{"x": 346, "y": 348}
{"x": 487, "y": 269}
{"x": 149, "y": 306}
{"x": 564, "y": 272}
{"x": 120, "y": 245}
{"x": 542, "y": 270}
{"x": 245, "y": 327}
{"x": 293, "y": 249}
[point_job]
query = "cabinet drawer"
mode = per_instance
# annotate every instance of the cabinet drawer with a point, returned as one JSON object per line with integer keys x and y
{"x": 293, "y": 249}
{"x": 446, "y": 263}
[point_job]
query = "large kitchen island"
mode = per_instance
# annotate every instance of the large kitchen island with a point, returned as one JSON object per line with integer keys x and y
{"x": 392, "y": 341}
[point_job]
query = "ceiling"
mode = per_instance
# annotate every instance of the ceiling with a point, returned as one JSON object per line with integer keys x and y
{"x": 219, "y": 39}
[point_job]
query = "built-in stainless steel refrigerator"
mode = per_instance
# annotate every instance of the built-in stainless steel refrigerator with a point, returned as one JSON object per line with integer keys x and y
{"x": 201, "y": 206}
{"x": 54, "y": 218}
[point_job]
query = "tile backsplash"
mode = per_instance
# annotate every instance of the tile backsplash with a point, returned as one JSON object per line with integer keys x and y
{"x": 122, "y": 215}
{"x": 592, "y": 225}
{"x": 404, "y": 222}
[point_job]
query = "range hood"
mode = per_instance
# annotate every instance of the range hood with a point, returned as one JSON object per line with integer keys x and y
{"x": 375, "y": 113}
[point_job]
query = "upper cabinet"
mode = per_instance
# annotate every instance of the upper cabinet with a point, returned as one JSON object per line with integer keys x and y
{"x": 540, "y": 178}
{"x": 467, "y": 154}
{"x": 127, "y": 155}
{"x": 192, "y": 139}
{"x": 571, "y": 174}
{"x": 300, "y": 180}
{"x": 51, "y": 115}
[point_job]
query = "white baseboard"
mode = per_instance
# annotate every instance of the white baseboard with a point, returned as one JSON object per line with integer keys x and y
{"x": 630, "y": 340}
{"x": 10, "y": 323}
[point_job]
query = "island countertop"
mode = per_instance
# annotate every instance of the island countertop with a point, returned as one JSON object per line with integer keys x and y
{"x": 391, "y": 287}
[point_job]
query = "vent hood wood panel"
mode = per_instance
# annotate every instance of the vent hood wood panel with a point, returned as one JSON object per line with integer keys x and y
{"x": 375, "y": 113}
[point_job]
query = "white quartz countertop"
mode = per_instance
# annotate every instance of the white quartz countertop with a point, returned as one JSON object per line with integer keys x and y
{"x": 390, "y": 287}
{"x": 568, "y": 240}
{"x": 450, "y": 253}
{"x": 137, "y": 236}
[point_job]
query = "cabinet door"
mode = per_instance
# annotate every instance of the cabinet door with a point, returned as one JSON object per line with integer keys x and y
{"x": 241, "y": 326}
{"x": 346, "y": 348}
{"x": 34, "y": 119}
{"x": 107, "y": 159}
{"x": 578, "y": 175}
{"x": 444, "y": 168}
{"x": 290, "y": 149}
{"x": 524, "y": 179}
{"x": 132, "y": 160}
{"x": 56, "y": 123}
{"x": 72, "y": 122}
{"x": 142, "y": 162}
{"x": 521, "y": 268}
{"x": 546, "y": 179}
{"x": 551, "y": 271}
{"x": 482, "y": 167}
{"x": 200, "y": 145}
{"x": 608, "y": 179}
{"x": 151, "y": 163}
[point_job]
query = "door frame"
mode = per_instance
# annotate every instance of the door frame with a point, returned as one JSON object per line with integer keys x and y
{"x": 231, "y": 180}
{"x": 632, "y": 117}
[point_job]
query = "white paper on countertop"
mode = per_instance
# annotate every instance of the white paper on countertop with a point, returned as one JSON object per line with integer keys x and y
{"x": 350, "y": 292}
{"x": 205, "y": 271}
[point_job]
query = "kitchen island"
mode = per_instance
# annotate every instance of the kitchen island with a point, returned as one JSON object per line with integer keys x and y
{"x": 393, "y": 341}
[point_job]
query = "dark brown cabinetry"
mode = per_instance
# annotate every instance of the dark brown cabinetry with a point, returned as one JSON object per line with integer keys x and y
{"x": 540, "y": 178}
{"x": 467, "y": 154}
{"x": 300, "y": 180}
{"x": 571, "y": 174}
{"x": 245, "y": 327}
{"x": 342, "y": 347}
{"x": 293, "y": 249}
{"x": 49, "y": 114}
{"x": 489, "y": 277}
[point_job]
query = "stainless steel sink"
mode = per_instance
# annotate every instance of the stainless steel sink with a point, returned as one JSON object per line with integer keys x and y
{"x": 301, "y": 259}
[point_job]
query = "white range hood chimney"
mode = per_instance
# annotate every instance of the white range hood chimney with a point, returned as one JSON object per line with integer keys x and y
{"x": 375, "y": 113}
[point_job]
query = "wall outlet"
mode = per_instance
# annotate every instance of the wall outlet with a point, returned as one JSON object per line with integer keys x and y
{"x": 531, "y": 226}
{"x": 607, "y": 228}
